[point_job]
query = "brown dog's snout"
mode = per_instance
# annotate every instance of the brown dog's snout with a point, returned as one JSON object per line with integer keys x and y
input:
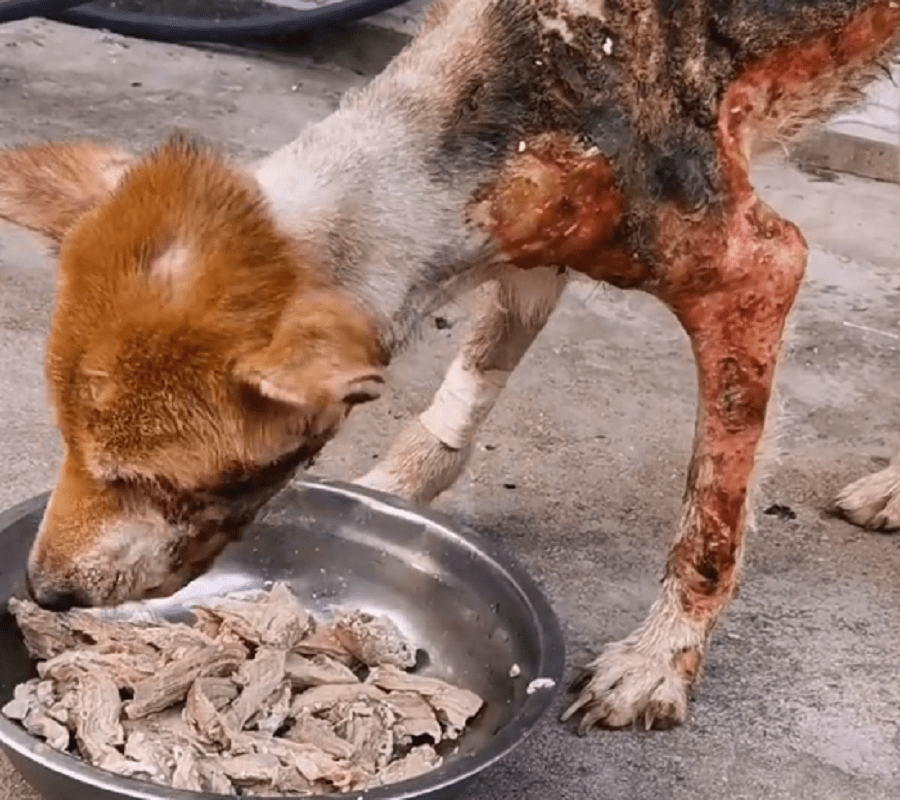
{"x": 58, "y": 600}
{"x": 50, "y": 598}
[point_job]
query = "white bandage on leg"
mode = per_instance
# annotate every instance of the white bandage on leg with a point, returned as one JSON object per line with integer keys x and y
{"x": 462, "y": 403}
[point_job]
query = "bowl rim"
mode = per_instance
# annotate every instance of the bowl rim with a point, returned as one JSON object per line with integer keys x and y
{"x": 458, "y": 772}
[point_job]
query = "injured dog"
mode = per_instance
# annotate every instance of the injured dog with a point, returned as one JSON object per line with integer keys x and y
{"x": 215, "y": 323}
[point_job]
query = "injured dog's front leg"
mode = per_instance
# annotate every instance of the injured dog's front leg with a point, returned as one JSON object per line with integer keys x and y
{"x": 731, "y": 284}
{"x": 432, "y": 450}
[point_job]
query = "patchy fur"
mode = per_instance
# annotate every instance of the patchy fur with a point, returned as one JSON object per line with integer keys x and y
{"x": 215, "y": 324}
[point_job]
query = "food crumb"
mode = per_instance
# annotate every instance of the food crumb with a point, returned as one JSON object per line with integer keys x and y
{"x": 514, "y": 671}
{"x": 540, "y": 683}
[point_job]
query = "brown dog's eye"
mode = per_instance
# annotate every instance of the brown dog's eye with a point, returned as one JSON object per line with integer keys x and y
{"x": 358, "y": 398}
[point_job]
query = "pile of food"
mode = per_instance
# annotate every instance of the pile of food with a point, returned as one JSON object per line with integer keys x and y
{"x": 254, "y": 698}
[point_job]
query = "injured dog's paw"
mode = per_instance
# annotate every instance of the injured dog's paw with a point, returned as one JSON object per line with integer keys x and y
{"x": 624, "y": 687}
{"x": 873, "y": 501}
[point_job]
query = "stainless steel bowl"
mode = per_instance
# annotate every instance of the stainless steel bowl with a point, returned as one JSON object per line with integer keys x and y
{"x": 465, "y": 603}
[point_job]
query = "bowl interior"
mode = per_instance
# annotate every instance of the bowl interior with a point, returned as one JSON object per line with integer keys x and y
{"x": 461, "y": 601}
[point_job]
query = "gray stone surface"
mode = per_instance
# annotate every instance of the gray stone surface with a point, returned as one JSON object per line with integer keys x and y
{"x": 800, "y": 698}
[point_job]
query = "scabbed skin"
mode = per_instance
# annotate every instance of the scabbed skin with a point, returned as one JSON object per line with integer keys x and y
{"x": 647, "y": 85}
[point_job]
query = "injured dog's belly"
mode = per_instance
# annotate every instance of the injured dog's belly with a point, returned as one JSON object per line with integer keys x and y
{"x": 253, "y": 699}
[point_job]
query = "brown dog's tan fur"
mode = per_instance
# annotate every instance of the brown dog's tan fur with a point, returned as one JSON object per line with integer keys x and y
{"x": 159, "y": 387}
{"x": 214, "y": 324}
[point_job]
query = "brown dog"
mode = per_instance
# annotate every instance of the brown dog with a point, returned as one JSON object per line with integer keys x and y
{"x": 214, "y": 324}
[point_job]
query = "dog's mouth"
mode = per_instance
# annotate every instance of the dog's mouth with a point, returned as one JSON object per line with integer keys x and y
{"x": 218, "y": 515}
{"x": 194, "y": 526}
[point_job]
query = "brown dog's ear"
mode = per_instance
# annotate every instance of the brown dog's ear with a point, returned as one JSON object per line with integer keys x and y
{"x": 324, "y": 351}
{"x": 314, "y": 386}
{"x": 48, "y": 187}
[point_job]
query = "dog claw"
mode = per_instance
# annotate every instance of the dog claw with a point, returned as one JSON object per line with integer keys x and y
{"x": 575, "y": 707}
{"x": 626, "y": 687}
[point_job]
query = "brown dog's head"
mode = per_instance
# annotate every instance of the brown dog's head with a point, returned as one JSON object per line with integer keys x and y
{"x": 195, "y": 360}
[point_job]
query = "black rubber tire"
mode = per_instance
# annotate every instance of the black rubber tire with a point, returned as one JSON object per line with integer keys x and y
{"x": 182, "y": 29}
{"x": 11, "y": 10}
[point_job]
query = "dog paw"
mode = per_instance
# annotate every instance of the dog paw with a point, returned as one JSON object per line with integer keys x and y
{"x": 625, "y": 687}
{"x": 873, "y": 501}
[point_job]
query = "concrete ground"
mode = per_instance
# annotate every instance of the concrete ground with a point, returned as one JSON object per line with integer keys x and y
{"x": 582, "y": 465}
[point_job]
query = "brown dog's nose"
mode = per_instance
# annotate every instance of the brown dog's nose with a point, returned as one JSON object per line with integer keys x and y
{"x": 58, "y": 601}
{"x": 51, "y": 599}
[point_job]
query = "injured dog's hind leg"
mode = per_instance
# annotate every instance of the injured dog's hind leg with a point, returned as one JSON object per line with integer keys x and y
{"x": 731, "y": 282}
{"x": 431, "y": 452}
{"x": 873, "y": 501}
